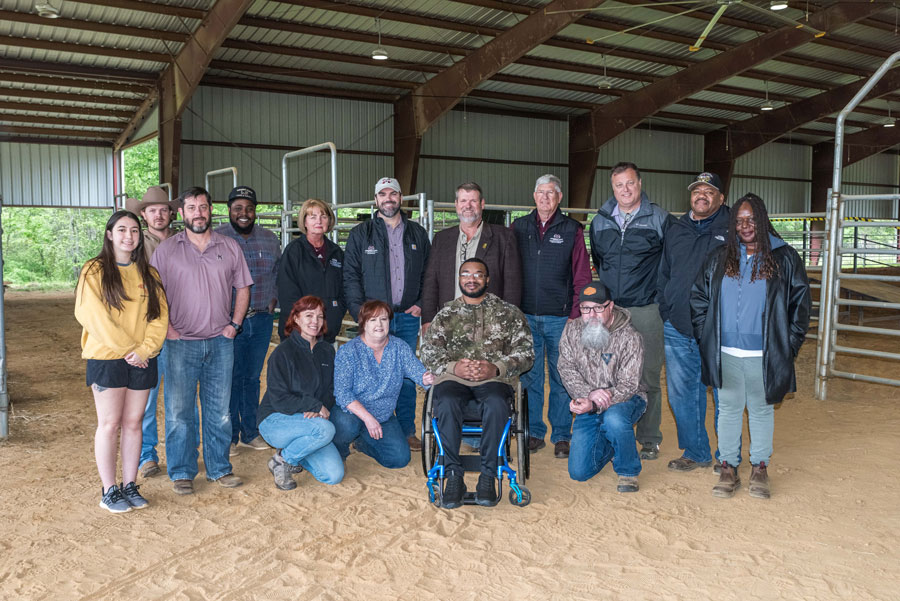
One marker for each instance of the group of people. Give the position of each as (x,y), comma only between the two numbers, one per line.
(716,294)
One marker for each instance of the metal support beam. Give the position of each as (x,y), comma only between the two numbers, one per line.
(618,116)
(722,147)
(179,81)
(419,110)
(582,162)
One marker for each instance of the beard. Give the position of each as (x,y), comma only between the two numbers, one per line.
(197,229)
(241,230)
(477,293)
(389,210)
(469,218)
(595,335)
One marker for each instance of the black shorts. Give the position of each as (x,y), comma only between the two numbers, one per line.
(116,373)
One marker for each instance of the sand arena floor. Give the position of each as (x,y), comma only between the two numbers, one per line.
(830,530)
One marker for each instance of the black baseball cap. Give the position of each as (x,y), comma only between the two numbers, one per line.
(594,292)
(710,179)
(242,192)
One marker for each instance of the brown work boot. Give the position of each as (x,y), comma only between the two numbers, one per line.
(759,481)
(414,443)
(729,481)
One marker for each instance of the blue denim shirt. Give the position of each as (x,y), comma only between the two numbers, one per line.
(359,377)
(742,304)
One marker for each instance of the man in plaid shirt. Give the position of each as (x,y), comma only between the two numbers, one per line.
(261,251)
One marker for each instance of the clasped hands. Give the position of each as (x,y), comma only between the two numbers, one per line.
(597,402)
(475,370)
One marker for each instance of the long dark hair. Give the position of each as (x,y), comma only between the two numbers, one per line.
(764,266)
(111,288)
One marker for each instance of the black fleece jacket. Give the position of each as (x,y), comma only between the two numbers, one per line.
(298,379)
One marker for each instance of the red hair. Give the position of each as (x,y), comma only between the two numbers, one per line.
(370,309)
(307,303)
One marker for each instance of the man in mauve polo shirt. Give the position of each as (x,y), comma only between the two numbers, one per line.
(199,268)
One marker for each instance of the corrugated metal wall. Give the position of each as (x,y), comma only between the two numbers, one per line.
(882,170)
(50,175)
(650,151)
(235,120)
(531,148)
(759,172)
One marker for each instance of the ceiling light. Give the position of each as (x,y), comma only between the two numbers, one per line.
(778,5)
(767,106)
(604,83)
(379,54)
(46,10)
(891,122)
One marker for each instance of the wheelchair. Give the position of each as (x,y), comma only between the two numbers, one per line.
(516,428)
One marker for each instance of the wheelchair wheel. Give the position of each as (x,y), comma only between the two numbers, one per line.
(522,434)
(514,498)
(429,444)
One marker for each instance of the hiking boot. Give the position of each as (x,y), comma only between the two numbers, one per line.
(454,489)
(114,501)
(414,443)
(281,470)
(134,498)
(535,444)
(649,450)
(683,464)
(183,487)
(759,481)
(717,467)
(729,481)
(627,484)
(257,444)
(485,492)
(561,449)
(228,481)
(149,469)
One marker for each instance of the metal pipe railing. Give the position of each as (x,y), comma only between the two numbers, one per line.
(209,174)
(286,203)
(168,187)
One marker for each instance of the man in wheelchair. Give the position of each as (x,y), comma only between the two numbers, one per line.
(600,360)
(477,346)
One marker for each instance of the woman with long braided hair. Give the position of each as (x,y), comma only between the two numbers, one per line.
(750,312)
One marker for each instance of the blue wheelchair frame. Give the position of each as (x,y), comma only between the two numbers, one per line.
(519,494)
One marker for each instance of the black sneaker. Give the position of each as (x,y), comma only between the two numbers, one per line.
(134,498)
(114,500)
(649,450)
(454,489)
(485,492)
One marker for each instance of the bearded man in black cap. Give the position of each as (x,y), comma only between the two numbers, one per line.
(261,251)
(601,357)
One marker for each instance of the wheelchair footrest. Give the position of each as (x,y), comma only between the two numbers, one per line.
(470,463)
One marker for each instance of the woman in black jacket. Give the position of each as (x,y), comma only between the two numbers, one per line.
(293,414)
(750,313)
(313,265)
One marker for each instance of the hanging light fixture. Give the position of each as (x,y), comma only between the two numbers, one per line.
(604,83)
(379,54)
(778,5)
(46,10)
(767,105)
(891,122)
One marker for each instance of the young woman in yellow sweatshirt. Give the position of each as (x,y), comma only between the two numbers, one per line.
(122,308)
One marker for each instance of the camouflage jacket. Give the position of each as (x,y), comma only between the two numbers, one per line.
(618,367)
(494,330)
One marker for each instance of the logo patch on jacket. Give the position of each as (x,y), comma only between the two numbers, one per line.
(607,357)
(413,247)
(720,238)
(556,239)
(335,263)
(371,250)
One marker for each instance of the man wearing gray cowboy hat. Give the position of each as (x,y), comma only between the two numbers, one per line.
(158,211)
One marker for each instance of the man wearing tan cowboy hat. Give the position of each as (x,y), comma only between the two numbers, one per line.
(158,212)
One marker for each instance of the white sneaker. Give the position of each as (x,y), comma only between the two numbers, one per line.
(232,450)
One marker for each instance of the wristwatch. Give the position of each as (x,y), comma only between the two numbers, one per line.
(238,328)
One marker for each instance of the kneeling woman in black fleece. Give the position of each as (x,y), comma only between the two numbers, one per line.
(293,414)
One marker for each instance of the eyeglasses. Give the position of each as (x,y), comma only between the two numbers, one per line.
(474,276)
(595,309)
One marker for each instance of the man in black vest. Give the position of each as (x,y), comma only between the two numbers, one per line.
(688,242)
(555,268)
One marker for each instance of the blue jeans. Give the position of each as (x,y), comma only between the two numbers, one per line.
(406,327)
(250,347)
(546,330)
(189,363)
(599,437)
(687,394)
(742,387)
(307,442)
(391,450)
(149,428)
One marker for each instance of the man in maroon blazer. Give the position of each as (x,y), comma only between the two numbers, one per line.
(493,244)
